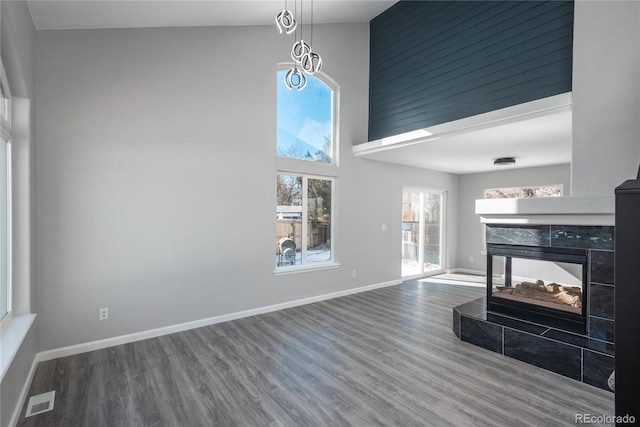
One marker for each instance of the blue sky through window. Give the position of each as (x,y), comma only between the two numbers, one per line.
(304,120)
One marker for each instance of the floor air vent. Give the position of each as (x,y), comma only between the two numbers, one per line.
(40,403)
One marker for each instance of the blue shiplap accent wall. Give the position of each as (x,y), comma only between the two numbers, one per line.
(437,61)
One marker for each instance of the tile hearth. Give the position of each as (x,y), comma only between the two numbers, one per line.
(573,355)
(588,357)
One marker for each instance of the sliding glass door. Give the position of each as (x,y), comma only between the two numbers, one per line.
(422,232)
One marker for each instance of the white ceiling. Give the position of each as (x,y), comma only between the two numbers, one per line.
(86,14)
(535,140)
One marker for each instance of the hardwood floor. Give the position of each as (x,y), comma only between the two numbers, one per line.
(384,357)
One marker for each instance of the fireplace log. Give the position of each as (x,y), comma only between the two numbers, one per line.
(552,293)
(538,286)
(553,288)
(572,300)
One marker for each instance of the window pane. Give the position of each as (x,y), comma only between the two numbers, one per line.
(548,191)
(305,120)
(288,220)
(523,192)
(319,220)
(432,224)
(410,233)
(4,237)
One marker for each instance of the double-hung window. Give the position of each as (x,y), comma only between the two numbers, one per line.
(5,199)
(306,178)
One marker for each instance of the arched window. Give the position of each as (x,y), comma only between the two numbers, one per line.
(306,120)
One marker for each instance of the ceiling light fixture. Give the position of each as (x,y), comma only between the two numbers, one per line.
(295,78)
(504,161)
(311,61)
(286,21)
(305,59)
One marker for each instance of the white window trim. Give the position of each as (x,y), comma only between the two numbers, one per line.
(6,134)
(304,266)
(295,269)
(7,319)
(5,123)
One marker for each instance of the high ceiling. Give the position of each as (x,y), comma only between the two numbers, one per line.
(55,14)
(535,140)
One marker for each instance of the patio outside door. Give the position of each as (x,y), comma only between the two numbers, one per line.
(422,232)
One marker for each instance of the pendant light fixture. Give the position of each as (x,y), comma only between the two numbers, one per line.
(286,21)
(295,78)
(305,59)
(311,62)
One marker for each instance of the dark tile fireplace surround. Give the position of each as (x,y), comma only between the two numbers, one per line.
(587,355)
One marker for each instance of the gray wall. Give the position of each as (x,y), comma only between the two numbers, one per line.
(156,178)
(606,95)
(471,188)
(18,55)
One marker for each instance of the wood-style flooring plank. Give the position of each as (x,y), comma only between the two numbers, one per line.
(379,358)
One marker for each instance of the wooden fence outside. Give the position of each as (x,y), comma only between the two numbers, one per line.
(317,233)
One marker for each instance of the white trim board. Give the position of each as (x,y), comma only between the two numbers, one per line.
(138,336)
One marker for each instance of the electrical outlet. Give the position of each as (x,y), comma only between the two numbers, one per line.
(354,273)
(103,314)
(470,258)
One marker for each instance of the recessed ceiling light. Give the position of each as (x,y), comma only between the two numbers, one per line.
(502,161)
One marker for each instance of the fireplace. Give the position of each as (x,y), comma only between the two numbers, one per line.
(527,239)
(545,285)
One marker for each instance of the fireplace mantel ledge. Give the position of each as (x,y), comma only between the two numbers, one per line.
(572,210)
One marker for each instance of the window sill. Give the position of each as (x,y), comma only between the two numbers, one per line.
(11,338)
(283,271)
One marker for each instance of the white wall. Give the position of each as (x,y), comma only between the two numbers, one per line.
(472,187)
(156,178)
(606,95)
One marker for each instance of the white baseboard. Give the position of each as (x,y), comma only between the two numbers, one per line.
(138,336)
(23,394)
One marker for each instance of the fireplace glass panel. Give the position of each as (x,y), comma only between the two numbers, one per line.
(550,284)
